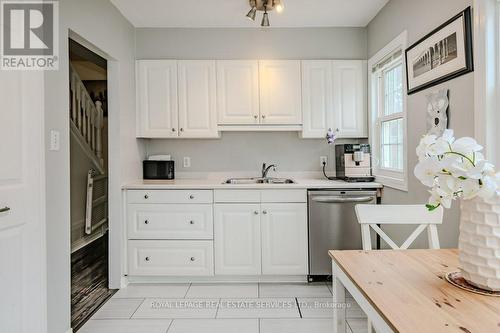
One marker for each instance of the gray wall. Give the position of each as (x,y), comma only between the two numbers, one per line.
(233,152)
(419,18)
(100,24)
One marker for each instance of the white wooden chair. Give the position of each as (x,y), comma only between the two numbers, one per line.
(371,216)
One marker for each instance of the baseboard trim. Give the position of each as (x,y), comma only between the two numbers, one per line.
(218,279)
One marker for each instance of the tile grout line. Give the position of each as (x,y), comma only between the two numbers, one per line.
(298,307)
(143,300)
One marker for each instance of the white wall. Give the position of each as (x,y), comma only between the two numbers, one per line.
(101,24)
(419,18)
(232,152)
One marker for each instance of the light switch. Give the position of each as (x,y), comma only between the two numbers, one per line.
(55,140)
(187,162)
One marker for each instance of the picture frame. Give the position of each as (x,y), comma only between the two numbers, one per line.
(443,54)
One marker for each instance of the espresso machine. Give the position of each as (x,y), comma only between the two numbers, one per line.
(353,162)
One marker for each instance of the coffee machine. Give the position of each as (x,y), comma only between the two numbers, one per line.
(353,162)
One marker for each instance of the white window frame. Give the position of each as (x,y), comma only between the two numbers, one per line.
(487,76)
(391,178)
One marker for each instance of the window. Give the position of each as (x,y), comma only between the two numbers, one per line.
(388,115)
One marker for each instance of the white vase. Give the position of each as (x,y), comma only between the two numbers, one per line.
(479,242)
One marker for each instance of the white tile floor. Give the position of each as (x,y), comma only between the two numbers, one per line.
(220,308)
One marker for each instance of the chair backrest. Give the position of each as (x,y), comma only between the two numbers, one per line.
(371,216)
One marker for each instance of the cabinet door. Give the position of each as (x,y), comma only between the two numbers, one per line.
(350,86)
(238,92)
(280,92)
(317,101)
(157,98)
(197,104)
(237,239)
(284,239)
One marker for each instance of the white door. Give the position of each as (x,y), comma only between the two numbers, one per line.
(284,239)
(157,98)
(22,221)
(237,239)
(317,101)
(197,104)
(280,92)
(350,87)
(238,92)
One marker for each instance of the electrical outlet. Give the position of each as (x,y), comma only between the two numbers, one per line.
(187,162)
(55,140)
(323,160)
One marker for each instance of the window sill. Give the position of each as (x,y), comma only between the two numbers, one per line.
(395,183)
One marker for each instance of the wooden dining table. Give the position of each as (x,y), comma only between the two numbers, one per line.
(406,291)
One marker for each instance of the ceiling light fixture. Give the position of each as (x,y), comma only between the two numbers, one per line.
(264,6)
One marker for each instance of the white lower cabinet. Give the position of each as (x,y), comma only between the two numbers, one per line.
(284,239)
(237,239)
(170,258)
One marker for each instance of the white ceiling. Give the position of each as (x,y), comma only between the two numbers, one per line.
(231,13)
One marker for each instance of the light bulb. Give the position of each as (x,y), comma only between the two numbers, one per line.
(279,6)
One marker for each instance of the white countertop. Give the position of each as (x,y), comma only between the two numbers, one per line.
(217,183)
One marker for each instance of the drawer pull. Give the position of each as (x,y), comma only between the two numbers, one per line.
(193,258)
(191,222)
(264,212)
(191,197)
(256,212)
(146,196)
(146,222)
(147,258)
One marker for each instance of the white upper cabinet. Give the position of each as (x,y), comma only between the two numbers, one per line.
(237,239)
(334,96)
(350,98)
(197,99)
(157,98)
(280,92)
(238,92)
(317,99)
(284,239)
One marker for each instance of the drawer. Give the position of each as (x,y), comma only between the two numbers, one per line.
(294,195)
(224,196)
(170,196)
(170,258)
(170,221)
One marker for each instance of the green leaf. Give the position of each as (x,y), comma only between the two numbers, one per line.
(431,207)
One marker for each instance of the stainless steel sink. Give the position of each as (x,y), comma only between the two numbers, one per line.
(239,181)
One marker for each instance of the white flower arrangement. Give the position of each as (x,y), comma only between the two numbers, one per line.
(454,169)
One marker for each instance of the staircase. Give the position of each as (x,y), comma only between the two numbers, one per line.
(86,120)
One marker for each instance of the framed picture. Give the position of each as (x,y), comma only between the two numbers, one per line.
(442,55)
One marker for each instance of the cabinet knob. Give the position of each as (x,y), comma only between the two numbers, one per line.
(181,129)
(264,212)
(256,212)
(173,129)
(147,258)
(256,116)
(263,116)
(146,222)
(191,197)
(146,196)
(193,258)
(191,222)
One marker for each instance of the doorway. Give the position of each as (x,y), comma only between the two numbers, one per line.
(89,182)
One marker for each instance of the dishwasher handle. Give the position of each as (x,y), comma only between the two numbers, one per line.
(338,199)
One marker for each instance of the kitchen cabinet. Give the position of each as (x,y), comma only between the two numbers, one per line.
(334,94)
(237,239)
(317,98)
(157,115)
(197,99)
(238,92)
(350,98)
(280,92)
(284,239)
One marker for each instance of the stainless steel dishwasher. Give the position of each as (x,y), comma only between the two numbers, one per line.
(333,226)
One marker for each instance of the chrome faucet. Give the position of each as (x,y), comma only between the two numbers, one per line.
(265,169)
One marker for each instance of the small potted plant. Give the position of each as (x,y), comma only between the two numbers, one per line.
(456,169)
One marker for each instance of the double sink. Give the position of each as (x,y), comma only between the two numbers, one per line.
(267,180)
